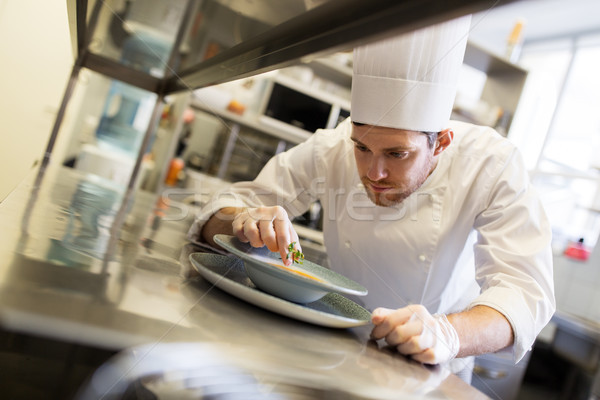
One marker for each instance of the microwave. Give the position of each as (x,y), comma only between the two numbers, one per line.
(298,108)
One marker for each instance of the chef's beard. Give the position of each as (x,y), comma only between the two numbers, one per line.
(397,194)
(390,198)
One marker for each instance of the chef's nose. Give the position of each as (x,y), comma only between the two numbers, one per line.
(377,170)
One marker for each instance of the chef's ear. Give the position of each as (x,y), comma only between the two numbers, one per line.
(444,139)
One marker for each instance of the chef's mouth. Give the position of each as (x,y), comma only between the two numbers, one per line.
(379,188)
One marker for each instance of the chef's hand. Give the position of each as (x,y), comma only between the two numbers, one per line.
(429,339)
(266,226)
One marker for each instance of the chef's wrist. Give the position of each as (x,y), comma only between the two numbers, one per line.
(449,336)
(219,223)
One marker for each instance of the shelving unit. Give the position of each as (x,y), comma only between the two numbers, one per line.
(333,70)
(503,86)
(332,26)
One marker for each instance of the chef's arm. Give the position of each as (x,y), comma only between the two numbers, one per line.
(435,339)
(481,330)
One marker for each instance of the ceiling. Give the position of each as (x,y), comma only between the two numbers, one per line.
(543,19)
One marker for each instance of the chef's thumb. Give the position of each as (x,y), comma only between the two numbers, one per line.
(379,314)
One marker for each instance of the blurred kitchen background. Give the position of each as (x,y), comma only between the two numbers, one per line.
(531,71)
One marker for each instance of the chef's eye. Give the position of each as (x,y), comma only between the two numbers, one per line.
(361,147)
(398,154)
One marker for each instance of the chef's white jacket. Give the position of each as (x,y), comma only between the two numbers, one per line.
(473,234)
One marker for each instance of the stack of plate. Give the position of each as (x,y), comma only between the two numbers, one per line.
(306,291)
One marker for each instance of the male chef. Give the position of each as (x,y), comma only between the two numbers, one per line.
(437,218)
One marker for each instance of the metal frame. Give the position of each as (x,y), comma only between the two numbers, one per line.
(114,69)
(335,25)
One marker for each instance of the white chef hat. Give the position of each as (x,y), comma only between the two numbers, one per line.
(409,81)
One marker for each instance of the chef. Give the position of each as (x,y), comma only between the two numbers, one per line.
(437,218)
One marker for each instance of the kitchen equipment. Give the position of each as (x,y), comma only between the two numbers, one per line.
(291,104)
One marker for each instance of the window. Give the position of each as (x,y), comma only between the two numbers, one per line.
(567,172)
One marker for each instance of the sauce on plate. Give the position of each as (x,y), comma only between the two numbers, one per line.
(305,274)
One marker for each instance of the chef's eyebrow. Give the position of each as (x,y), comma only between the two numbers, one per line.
(397,148)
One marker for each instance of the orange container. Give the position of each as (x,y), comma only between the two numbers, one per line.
(175,168)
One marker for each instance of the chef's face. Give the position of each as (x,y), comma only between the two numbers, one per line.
(392,163)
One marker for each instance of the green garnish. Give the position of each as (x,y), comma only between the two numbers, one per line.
(296,255)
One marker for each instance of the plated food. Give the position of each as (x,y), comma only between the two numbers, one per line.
(228,273)
(300,283)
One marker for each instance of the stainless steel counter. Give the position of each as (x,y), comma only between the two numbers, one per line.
(84,263)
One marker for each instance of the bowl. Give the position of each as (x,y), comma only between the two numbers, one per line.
(299,283)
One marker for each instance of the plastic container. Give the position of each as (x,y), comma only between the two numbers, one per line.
(577,251)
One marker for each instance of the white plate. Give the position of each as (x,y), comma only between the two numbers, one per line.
(301,283)
(228,274)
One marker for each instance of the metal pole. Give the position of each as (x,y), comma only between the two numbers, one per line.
(84,33)
(61,114)
(233,135)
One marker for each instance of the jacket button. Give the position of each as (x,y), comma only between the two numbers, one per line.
(422,258)
(347,244)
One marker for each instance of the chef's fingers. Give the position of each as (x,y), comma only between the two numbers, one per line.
(425,338)
(238,226)
(252,233)
(245,227)
(294,238)
(296,241)
(390,320)
(282,232)
(412,346)
(379,314)
(267,233)
(426,357)
(403,333)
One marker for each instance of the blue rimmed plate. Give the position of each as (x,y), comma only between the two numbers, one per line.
(300,283)
(228,274)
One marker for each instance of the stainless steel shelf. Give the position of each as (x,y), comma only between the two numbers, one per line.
(332,26)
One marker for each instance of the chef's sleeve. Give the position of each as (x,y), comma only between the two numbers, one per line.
(513,255)
(288,180)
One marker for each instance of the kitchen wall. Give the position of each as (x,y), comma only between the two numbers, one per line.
(36,56)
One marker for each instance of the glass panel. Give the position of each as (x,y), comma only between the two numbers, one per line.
(568,173)
(221,24)
(575,134)
(547,66)
(572,207)
(106,124)
(139,34)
